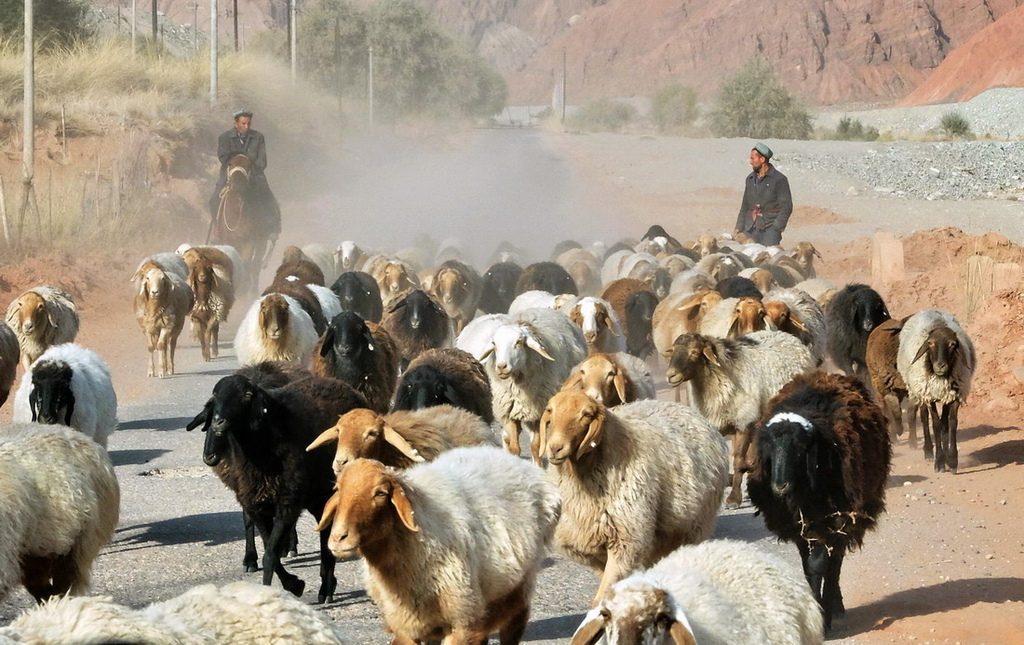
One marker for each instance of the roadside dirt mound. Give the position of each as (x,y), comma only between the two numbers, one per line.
(813,215)
(998,334)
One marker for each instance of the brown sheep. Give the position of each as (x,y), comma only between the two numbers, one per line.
(161,306)
(9,353)
(612,379)
(296,289)
(804,254)
(456,286)
(617,293)
(680,315)
(295,263)
(214,295)
(395,279)
(880,358)
(41,318)
(706,245)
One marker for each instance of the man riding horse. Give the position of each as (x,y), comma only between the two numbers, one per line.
(262,205)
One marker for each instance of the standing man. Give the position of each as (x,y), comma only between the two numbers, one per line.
(243,140)
(767,202)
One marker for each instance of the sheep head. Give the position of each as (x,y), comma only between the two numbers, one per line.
(691,354)
(236,407)
(791,452)
(395,278)
(450,286)
(804,253)
(152,280)
(942,349)
(51,399)
(363,434)
(29,314)
(635,611)
(706,245)
(591,315)
(509,346)
(747,317)
(696,306)
(347,255)
(763,280)
(782,317)
(602,378)
(366,509)
(346,336)
(202,278)
(571,426)
(273,317)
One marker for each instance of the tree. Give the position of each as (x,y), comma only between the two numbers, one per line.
(673,108)
(752,103)
(57,22)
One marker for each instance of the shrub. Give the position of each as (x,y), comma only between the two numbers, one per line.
(673,108)
(853,130)
(752,103)
(602,115)
(57,22)
(955,124)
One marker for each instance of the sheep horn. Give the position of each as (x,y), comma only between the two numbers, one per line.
(920,352)
(620,385)
(535,345)
(330,508)
(590,631)
(327,436)
(680,634)
(487,352)
(401,443)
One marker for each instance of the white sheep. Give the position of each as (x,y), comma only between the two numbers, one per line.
(795,312)
(329,302)
(349,257)
(721,592)
(236,266)
(451,547)
(692,280)
(239,613)
(612,266)
(637,481)
(69,385)
(600,325)
(169,262)
(818,288)
(936,359)
(275,328)
(59,507)
(527,360)
(41,318)
(323,257)
(536,299)
(162,304)
(613,379)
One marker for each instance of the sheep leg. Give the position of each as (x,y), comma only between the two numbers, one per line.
(161,348)
(511,436)
(929,453)
(832,598)
(151,347)
(740,446)
(204,340)
(613,572)
(250,561)
(398,639)
(536,449)
(912,412)
(517,606)
(892,410)
(952,455)
(273,546)
(816,567)
(328,583)
(214,339)
(172,347)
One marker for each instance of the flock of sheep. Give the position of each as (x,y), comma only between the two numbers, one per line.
(369,394)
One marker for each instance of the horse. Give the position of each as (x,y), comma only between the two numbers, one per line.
(235,223)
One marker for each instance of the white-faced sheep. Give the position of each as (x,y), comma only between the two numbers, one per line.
(446,376)
(600,325)
(349,257)
(720,591)
(457,287)
(69,385)
(214,296)
(823,456)
(162,304)
(60,506)
(430,569)
(612,379)
(541,300)
(401,439)
(637,481)
(239,613)
(276,328)
(527,359)
(937,360)
(9,354)
(361,354)
(850,316)
(41,318)
(732,380)
(796,312)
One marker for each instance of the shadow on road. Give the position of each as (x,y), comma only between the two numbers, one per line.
(125,457)
(169,423)
(556,627)
(210,529)
(1001,454)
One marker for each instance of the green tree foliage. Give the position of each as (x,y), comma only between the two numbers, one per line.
(955,124)
(752,103)
(602,115)
(57,22)
(673,108)
(419,67)
(853,130)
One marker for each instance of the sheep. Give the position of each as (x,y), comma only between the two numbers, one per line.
(706,245)
(890,389)
(546,276)
(256,442)
(416,323)
(600,325)
(936,359)
(214,295)
(850,317)
(691,280)
(429,568)
(9,355)
(804,254)
(349,257)
(295,263)
(732,380)
(507,252)
(819,289)
(680,314)
(227,259)
(163,302)
(763,279)
(41,318)
(447,376)
(238,613)
(499,287)
(298,290)
(169,262)
(361,354)
(563,247)
(792,268)
(638,323)
(719,591)
(618,292)
(60,506)
(612,379)
(395,279)
(527,358)
(738,287)
(823,457)
(584,268)
(457,288)
(358,292)
(664,240)
(401,439)
(612,266)
(323,257)
(637,481)
(541,299)
(69,385)
(676,264)
(330,304)
(275,328)
(735,316)
(719,265)
(796,312)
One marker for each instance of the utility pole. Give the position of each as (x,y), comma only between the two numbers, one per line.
(29,122)
(195,27)
(234,14)
(369,82)
(213,51)
(291,33)
(564,83)
(337,64)
(134,18)
(154,23)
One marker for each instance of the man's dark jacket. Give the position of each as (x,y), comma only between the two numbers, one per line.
(772,193)
(252,146)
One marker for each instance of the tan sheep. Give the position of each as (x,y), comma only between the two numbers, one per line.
(161,306)
(41,318)
(612,379)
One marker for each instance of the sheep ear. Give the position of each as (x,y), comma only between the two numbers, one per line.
(201,419)
(330,508)
(33,404)
(574,382)
(593,434)
(798,324)
(610,326)
(535,345)
(815,252)
(259,410)
(404,508)
(368,337)
(483,357)
(734,324)
(709,353)
(921,352)
(690,311)
(812,467)
(401,443)
(138,274)
(591,631)
(70,410)
(542,430)
(327,342)
(327,436)
(681,634)
(620,385)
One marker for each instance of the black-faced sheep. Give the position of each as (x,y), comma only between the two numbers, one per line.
(719,591)
(738,287)
(359,293)
(430,569)
(823,456)
(457,288)
(163,302)
(850,317)
(732,380)
(256,444)
(60,507)
(612,379)
(546,276)
(639,323)
(41,318)
(276,328)
(69,385)
(637,481)
(416,323)
(361,354)
(499,287)
(936,360)
(9,355)
(447,376)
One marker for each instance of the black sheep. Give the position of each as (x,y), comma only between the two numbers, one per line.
(499,287)
(256,442)
(823,456)
(445,376)
(738,287)
(358,292)
(850,317)
(361,354)
(639,313)
(672,245)
(546,276)
(416,323)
